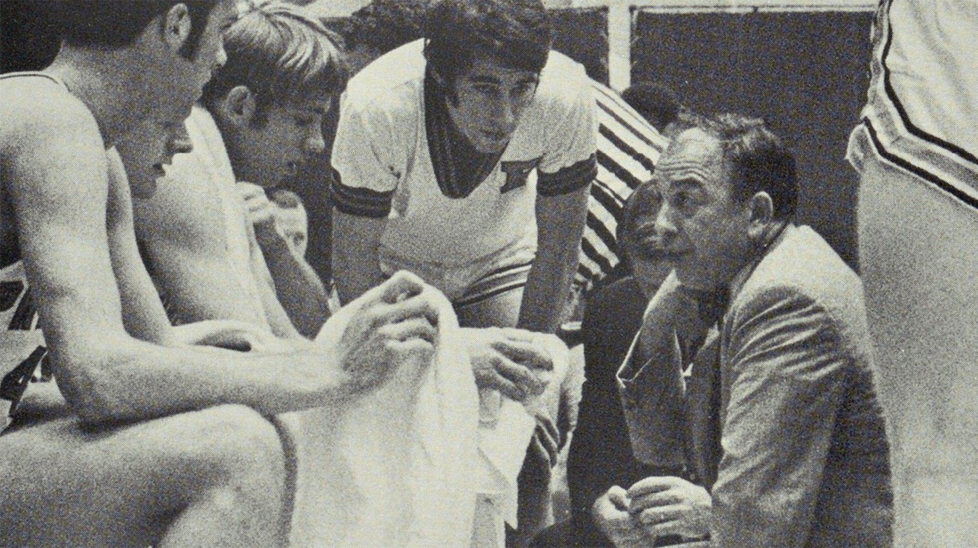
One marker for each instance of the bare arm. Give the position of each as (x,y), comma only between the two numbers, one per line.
(292,290)
(278,317)
(560,225)
(57,174)
(564,182)
(288,322)
(143,314)
(356,261)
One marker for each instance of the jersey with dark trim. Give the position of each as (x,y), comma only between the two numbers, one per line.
(923,97)
(384,167)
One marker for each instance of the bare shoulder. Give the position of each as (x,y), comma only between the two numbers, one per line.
(35,108)
(50,140)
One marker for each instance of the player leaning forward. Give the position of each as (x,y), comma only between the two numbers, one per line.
(435,155)
(160,442)
(467,158)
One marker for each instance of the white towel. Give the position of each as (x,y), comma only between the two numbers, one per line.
(398,467)
(505,431)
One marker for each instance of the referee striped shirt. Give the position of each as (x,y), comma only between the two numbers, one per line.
(628,149)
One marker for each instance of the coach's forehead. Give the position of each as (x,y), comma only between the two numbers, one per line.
(693,156)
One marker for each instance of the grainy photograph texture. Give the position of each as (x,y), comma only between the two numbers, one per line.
(489,273)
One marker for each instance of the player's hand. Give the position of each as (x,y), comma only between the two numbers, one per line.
(396,322)
(671,506)
(546,438)
(260,211)
(610,514)
(508,360)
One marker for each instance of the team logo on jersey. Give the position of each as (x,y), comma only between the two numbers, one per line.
(517,173)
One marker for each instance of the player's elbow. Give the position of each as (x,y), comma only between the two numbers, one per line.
(90,384)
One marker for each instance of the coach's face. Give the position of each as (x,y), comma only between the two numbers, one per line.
(489,101)
(703,230)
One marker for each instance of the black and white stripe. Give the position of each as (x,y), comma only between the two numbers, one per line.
(362,202)
(628,149)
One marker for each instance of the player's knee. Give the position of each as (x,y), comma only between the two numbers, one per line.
(242,445)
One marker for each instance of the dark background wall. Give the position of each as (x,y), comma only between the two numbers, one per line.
(582,35)
(27,41)
(804,72)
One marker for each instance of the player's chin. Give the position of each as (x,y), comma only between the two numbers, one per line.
(491,142)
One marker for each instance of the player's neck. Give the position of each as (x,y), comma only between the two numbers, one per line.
(110,86)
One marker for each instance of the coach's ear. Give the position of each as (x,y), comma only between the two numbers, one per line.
(239,107)
(760,208)
(176,26)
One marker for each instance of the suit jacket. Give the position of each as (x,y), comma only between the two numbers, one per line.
(600,451)
(803,459)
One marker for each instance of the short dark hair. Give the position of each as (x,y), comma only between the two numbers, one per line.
(656,102)
(281,54)
(518,33)
(758,159)
(383,25)
(117,24)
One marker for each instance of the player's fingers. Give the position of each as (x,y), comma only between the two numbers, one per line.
(412,346)
(655,499)
(618,496)
(548,425)
(525,353)
(505,386)
(658,514)
(664,528)
(413,328)
(418,306)
(249,190)
(518,334)
(543,448)
(262,215)
(548,443)
(400,286)
(519,375)
(649,485)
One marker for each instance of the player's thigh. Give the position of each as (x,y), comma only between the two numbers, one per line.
(920,270)
(68,485)
(494,298)
(499,310)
